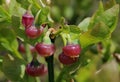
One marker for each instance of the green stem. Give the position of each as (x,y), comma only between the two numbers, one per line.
(69,39)
(29,8)
(50,64)
(64,39)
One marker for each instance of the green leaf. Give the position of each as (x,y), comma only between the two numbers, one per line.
(88,71)
(107,53)
(43,16)
(109,17)
(16,26)
(21,34)
(5,44)
(3,12)
(15,8)
(24,3)
(8,34)
(74,29)
(34,10)
(36,6)
(28,78)
(4,15)
(84,24)
(59,43)
(13,68)
(100,30)
(36,3)
(98,33)
(103,24)
(4,18)
(4,24)
(71,29)
(87,39)
(96,14)
(9,42)
(15,22)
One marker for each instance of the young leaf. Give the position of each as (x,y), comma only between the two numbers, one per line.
(102,24)
(109,17)
(87,39)
(84,24)
(97,13)
(98,33)
(100,30)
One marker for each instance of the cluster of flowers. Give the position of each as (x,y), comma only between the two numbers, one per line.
(69,55)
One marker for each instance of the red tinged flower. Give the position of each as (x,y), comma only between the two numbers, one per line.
(72,50)
(32,49)
(67,60)
(45,50)
(33,32)
(21,48)
(27,19)
(35,71)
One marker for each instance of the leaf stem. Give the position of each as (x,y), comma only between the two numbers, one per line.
(49,61)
